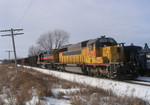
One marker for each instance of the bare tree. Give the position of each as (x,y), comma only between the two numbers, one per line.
(45,41)
(53,40)
(33,51)
(60,38)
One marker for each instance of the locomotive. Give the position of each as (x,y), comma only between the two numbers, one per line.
(102,57)
(140,57)
(144,60)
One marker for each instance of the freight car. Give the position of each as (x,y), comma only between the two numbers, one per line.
(30,61)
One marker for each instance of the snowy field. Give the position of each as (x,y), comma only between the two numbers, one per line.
(118,88)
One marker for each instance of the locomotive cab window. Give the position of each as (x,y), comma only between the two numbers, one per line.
(107,42)
(118,50)
(103,40)
(91,47)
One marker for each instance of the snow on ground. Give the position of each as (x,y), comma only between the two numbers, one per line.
(48,101)
(6,100)
(52,100)
(10,67)
(58,90)
(119,88)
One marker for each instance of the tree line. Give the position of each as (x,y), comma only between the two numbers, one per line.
(49,41)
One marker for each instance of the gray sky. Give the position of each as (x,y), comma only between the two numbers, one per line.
(124,20)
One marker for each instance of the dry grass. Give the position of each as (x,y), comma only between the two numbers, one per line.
(95,96)
(1,102)
(28,83)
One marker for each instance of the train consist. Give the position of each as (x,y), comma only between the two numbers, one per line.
(101,57)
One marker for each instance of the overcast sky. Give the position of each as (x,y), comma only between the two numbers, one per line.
(125,20)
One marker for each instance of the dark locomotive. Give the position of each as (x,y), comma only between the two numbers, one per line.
(144,60)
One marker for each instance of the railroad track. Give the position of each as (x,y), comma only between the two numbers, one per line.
(139,82)
(146,81)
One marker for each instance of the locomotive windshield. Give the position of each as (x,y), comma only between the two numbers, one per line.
(103,40)
(107,42)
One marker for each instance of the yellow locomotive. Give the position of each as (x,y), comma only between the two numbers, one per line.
(101,56)
(95,52)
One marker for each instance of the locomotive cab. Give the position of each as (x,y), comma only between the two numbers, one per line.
(105,50)
(107,55)
(110,50)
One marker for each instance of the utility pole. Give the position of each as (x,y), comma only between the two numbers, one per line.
(13,41)
(9,54)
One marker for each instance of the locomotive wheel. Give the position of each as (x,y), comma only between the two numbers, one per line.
(136,74)
(98,73)
(89,71)
(142,72)
(58,68)
(51,66)
(55,67)
(46,66)
(62,68)
(84,70)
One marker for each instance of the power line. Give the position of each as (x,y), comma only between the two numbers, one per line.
(25,12)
